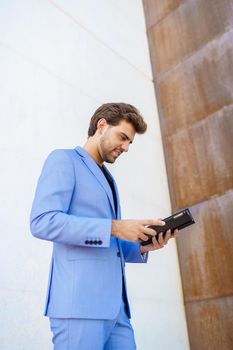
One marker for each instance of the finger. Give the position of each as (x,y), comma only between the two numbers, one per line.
(143,237)
(161,239)
(175,233)
(167,236)
(149,231)
(153,222)
(156,244)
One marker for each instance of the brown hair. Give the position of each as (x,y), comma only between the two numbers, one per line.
(113,113)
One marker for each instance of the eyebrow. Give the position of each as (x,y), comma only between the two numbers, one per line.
(126,136)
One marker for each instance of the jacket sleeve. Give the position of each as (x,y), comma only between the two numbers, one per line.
(50,219)
(132,252)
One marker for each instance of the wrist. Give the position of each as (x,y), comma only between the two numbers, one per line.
(115,228)
(143,249)
(144,255)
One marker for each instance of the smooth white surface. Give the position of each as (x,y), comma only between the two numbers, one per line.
(60,60)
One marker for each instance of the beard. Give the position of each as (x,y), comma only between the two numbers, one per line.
(108,153)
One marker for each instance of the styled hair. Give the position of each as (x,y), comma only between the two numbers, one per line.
(114,113)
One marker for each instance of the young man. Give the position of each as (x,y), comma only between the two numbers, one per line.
(77,207)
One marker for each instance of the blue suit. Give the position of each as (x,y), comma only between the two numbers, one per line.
(74,208)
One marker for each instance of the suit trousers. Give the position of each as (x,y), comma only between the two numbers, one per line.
(88,334)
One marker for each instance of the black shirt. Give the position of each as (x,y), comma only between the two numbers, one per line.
(110,181)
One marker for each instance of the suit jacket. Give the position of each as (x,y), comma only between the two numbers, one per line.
(74,208)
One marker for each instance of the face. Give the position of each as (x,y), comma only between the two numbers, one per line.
(114,140)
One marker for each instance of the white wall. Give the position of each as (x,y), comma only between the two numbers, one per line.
(60,60)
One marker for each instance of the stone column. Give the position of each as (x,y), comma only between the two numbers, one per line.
(191,48)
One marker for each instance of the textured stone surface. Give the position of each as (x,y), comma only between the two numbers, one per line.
(191,49)
(157,10)
(186,30)
(210,324)
(205,250)
(198,87)
(199,159)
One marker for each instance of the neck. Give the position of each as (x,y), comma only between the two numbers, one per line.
(91,148)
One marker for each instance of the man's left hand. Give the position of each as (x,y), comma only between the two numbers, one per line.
(160,243)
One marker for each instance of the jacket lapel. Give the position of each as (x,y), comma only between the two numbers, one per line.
(96,171)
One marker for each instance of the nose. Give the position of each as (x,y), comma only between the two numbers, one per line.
(125,147)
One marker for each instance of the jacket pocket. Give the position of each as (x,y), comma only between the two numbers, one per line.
(83,253)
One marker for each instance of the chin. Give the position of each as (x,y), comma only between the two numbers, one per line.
(110,160)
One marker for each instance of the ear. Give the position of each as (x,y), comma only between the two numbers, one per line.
(101,125)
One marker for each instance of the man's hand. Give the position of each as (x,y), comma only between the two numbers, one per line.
(160,243)
(134,230)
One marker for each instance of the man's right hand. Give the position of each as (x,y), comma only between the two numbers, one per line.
(134,230)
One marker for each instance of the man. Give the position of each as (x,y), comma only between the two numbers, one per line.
(77,207)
